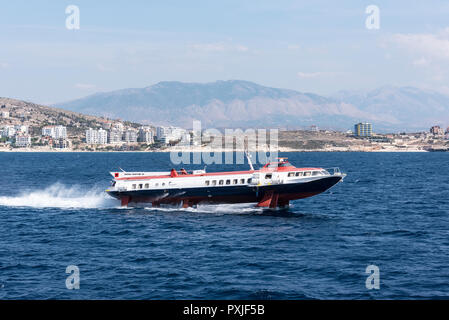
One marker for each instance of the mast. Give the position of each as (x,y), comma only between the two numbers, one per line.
(248,156)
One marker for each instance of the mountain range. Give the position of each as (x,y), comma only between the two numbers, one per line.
(244,104)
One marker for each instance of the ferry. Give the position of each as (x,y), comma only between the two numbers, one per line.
(272,186)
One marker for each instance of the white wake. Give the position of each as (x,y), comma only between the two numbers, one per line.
(212,208)
(61,196)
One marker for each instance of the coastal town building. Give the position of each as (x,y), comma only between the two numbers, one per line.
(107,125)
(130,135)
(363,129)
(56,132)
(118,126)
(5,114)
(196,137)
(23,141)
(115,136)
(160,133)
(185,139)
(47,131)
(146,135)
(116,133)
(91,136)
(60,132)
(102,136)
(437,131)
(8,131)
(169,134)
(60,143)
(21,129)
(96,136)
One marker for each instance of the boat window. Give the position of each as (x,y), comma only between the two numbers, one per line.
(207,182)
(140,186)
(157,184)
(147,186)
(242,181)
(291,174)
(307,173)
(268,176)
(284,164)
(249,180)
(324,173)
(299,174)
(316,173)
(235,181)
(228,181)
(134,186)
(163,183)
(214,182)
(220,182)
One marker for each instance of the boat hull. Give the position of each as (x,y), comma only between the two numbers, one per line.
(265,196)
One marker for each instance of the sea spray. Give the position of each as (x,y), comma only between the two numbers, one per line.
(60,196)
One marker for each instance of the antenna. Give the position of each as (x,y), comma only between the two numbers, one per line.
(122,169)
(248,156)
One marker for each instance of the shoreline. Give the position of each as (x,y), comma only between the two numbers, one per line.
(27,150)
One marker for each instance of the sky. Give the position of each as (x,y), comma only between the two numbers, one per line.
(310,46)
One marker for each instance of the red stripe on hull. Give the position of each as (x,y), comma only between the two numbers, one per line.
(227,173)
(187,175)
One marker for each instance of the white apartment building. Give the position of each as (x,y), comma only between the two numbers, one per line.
(118,126)
(56,132)
(23,141)
(115,136)
(130,135)
(146,135)
(48,131)
(60,132)
(167,134)
(102,136)
(8,131)
(185,139)
(91,136)
(161,133)
(5,114)
(96,136)
(21,129)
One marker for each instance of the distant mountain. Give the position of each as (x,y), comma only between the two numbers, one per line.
(407,107)
(238,103)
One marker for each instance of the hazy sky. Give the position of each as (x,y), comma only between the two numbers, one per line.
(312,46)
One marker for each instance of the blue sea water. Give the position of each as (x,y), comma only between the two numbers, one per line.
(392,211)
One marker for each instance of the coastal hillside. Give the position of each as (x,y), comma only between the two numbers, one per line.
(238,103)
(37,116)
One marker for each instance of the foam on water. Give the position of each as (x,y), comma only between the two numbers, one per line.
(212,208)
(61,196)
